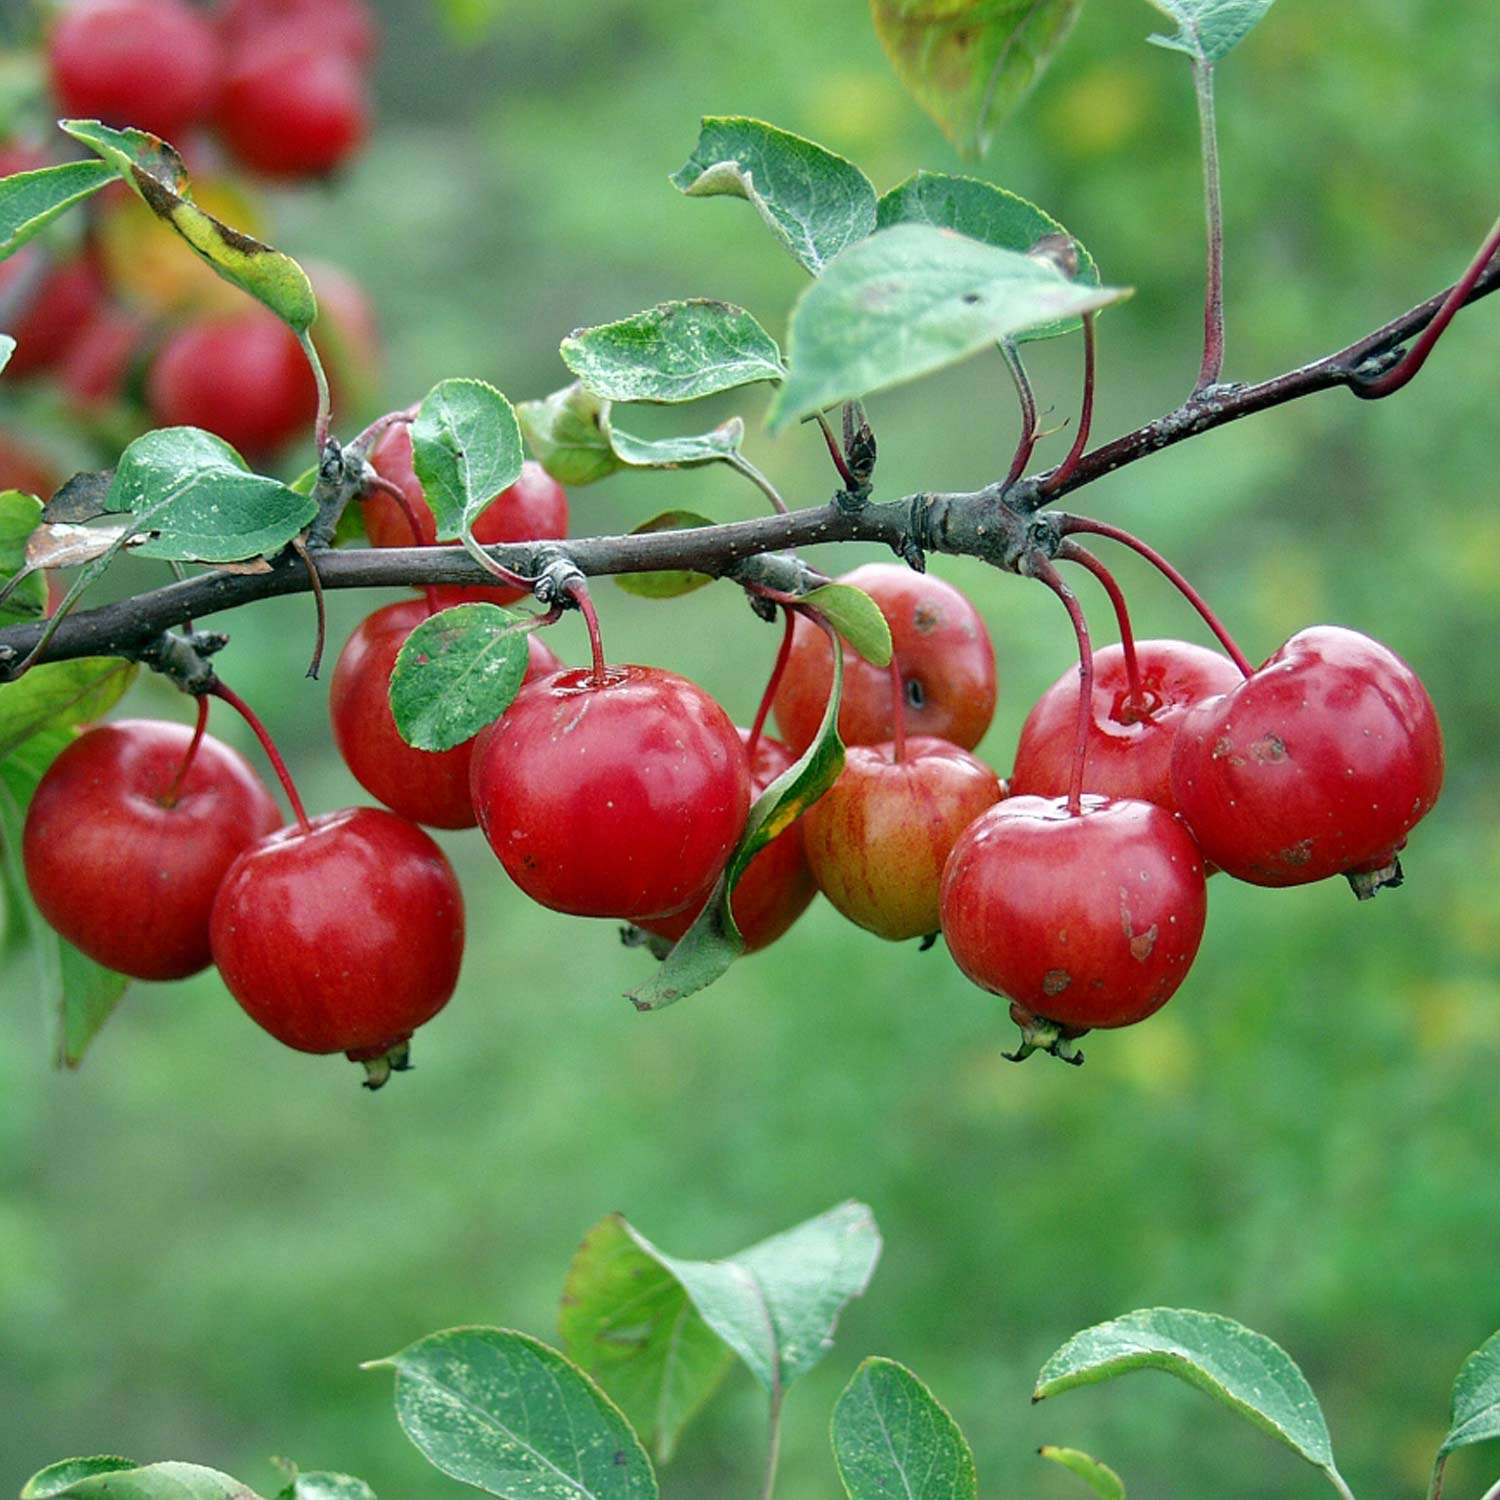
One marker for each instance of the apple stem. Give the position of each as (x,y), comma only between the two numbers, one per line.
(1028,436)
(1157,561)
(898,710)
(1064,471)
(174,791)
(789,626)
(259,730)
(1040,568)
(390,487)
(320,610)
(835,452)
(578,591)
(378,428)
(476,550)
(1072,552)
(1415,357)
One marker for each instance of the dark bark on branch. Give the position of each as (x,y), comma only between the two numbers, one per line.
(998,523)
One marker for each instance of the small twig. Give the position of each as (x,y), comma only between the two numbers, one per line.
(1213,302)
(1027,440)
(1059,476)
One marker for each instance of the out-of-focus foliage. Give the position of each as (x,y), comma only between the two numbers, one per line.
(202,1234)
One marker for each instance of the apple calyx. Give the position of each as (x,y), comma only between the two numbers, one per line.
(380,1062)
(1038,1034)
(1378,875)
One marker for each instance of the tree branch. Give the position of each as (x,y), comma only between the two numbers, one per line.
(999,524)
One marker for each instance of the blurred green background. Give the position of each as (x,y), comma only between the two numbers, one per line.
(202,1234)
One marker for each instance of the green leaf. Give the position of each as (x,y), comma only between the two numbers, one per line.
(503,1412)
(721,445)
(676,351)
(628,1321)
(158,176)
(204,505)
(169,1481)
(706,950)
(1474,1416)
(1099,1477)
(892,1438)
(669,583)
(985,213)
(30,201)
(909,300)
(19,517)
(1207,29)
(84,994)
(568,432)
(466,448)
(319,1484)
(856,617)
(1243,1369)
(814,202)
(458,671)
(776,1305)
(55,1478)
(968,63)
(59,695)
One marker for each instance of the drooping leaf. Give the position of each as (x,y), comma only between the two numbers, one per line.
(157,174)
(720,445)
(891,1438)
(968,63)
(64,545)
(30,201)
(676,351)
(466,448)
(456,672)
(909,300)
(168,1481)
(856,617)
(814,202)
(706,950)
(1100,1478)
(319,1484)
(82,994)
(776,1305)
(986,213)
(1474,1416)
(503,1412)
(1241,1368)
(202,501)
(629,1323)
(81,497)
(568,432)
(55,1478)
(669,583)
(1208,29)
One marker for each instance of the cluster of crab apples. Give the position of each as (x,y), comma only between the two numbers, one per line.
(1075,888)
(124,322)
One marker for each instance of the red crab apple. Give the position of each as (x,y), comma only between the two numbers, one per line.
(124,866)
(534,507)
(1320,763)
(1080,919)
(777,885)
(941,646)
(66,300)
(343,936)
(430,787)
(619,796)
(346,26)
(1130,741)
(292,106)
(154,64)
(878,839)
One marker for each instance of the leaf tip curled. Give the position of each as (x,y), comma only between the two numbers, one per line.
(386,1363)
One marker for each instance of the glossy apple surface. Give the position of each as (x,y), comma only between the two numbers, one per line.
(878,839)
(777,886)
(1088,919)
(620,798)
(1130,743)
(941,644)
(430,787)
(1320,763)
(125,876)
(344,938)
